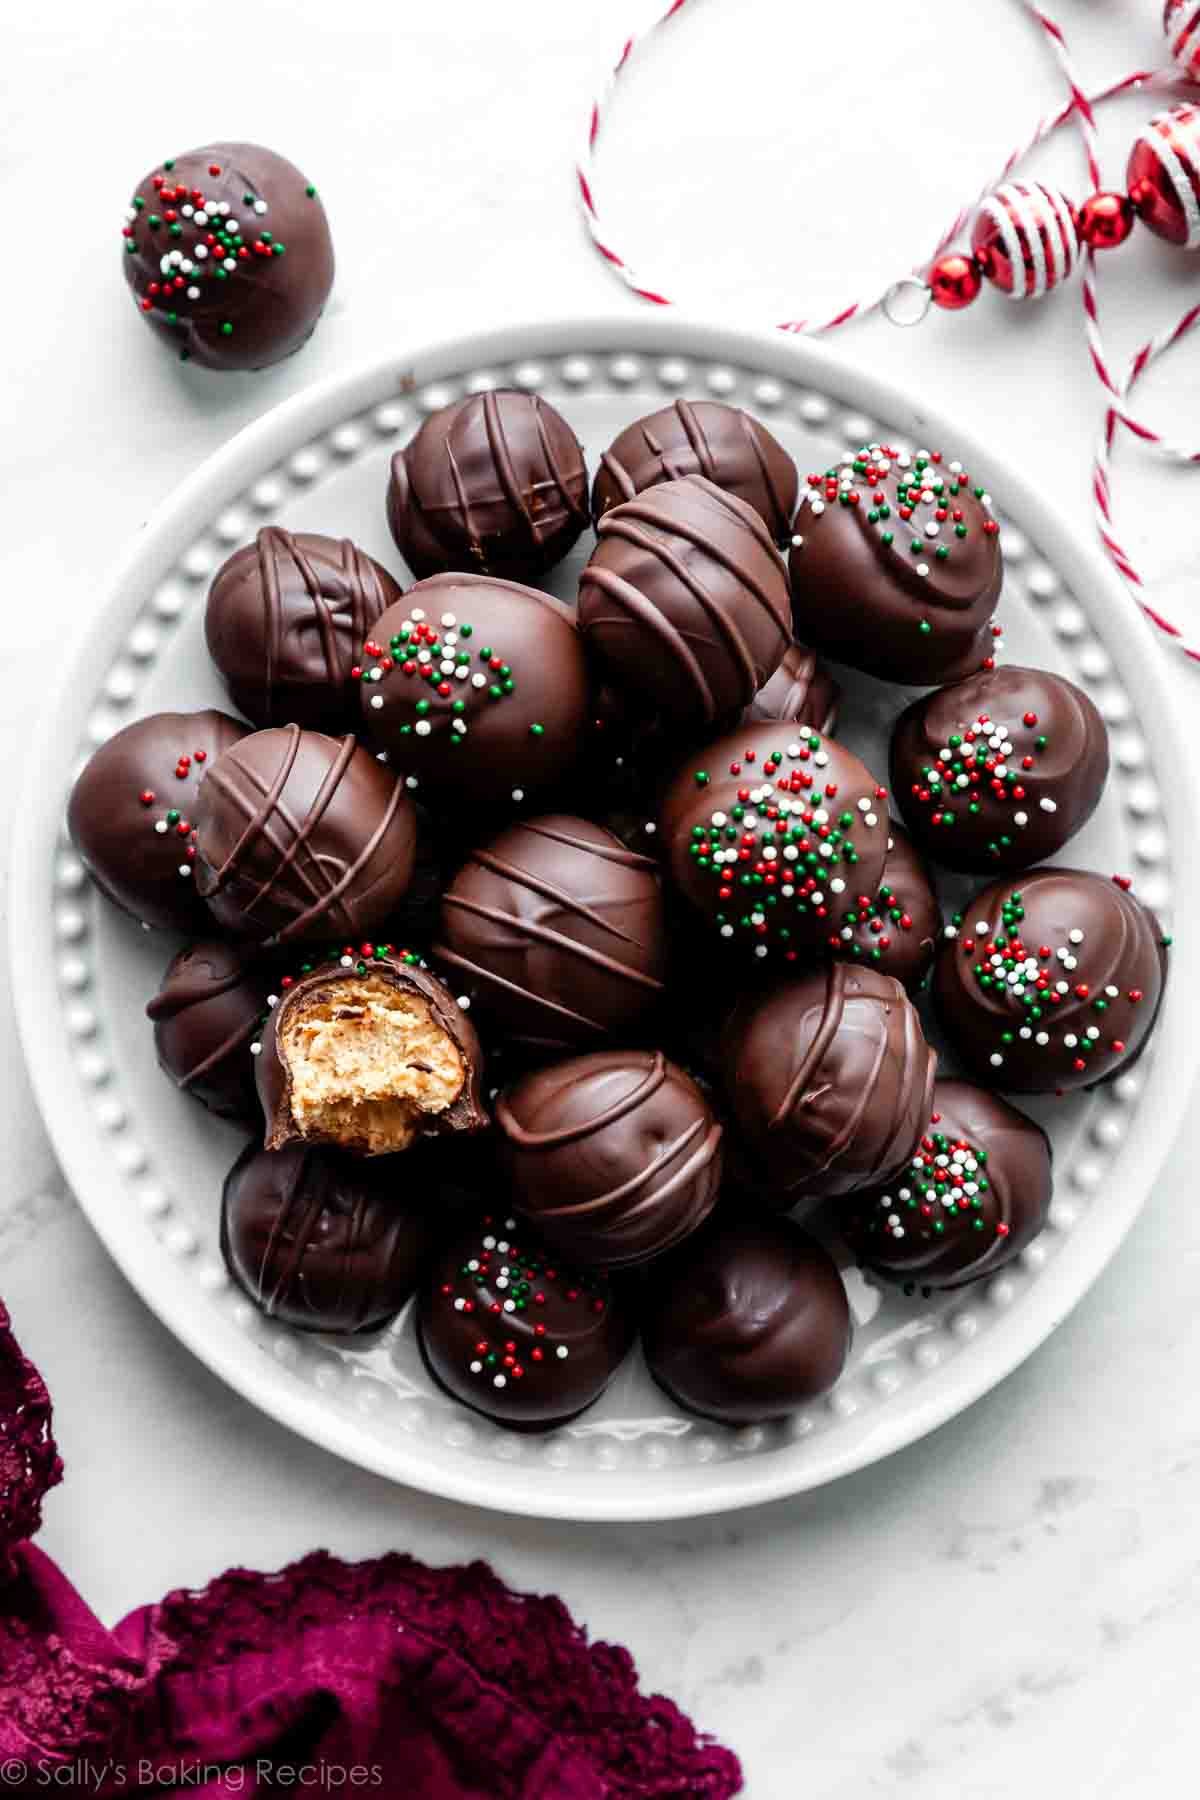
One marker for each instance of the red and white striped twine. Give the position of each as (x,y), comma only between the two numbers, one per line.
(1080,107)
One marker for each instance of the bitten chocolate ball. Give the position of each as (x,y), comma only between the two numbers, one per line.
(998,771)
(478,688)
(701,437)
(558,931)
(898,928)
(895,566)
(228,255)
(615,1157)
(494,484)
(976,1192)
(766,831)
(746,1322)
(800,692)
(508,1330)
(321,1241)
(830,1080)
(684,602)
(132,815)
(368,1054)
(1050,981)
(302,836)
(285,623)
(207,1012)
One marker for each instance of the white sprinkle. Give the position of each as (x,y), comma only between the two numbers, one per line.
(871,819)
(995,1059)
(727,931)
(951,931)
(418,612)
(1070,1040)
(820,759)
(260,207)
(185,869)
(202,218)
(922,568)
(187,212)
(817,508)
(460,1306)
(377,701)
(847,934)
(793,750)
(446,668)
(464,1002)
(193,293)
(1062,987)
(1112,992)
(160,826)
(720,818)
(450,639)
(1093,1031)
(864,806)
(797,541)
(1021,818)
(981,928)
(837,885)
(459,726)
(422,728)
(478,681)
(256,1049)
(489,1242)
(518,794)
(510,1306)
(497,1380)
(201,251)
(1048,806)
(1075,936)
(933,529)
(449,619)
(562,1353)
(476,1368)
(1043,1038)
(346,962)
(230,262)
(760,950)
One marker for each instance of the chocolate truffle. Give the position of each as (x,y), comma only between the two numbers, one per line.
(1051,981)
(614,1156)
(800,692)
(746,1322)
(367,1054)
(228,255)
(302,836)
(895,566)
(131,814)
(830,1080)
(207,1012)
(684,602)
(897,929)
(998,771)
(701,437)
(558,931)
(510,1332)
(494,483)
(286,620)
(975,1193)
(768,829)
(477,687)
(321,1241)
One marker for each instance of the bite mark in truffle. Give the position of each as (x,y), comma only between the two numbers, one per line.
(368,1060)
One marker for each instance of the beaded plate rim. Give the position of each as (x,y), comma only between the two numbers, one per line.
(1129,1131)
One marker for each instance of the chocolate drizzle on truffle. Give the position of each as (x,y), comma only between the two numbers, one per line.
(320,1241)
(684,601)
(615,1156)
(285,623)
(701,437)
(830,1080)
(494,483)
(208,1009)
(558,930)
(300,836)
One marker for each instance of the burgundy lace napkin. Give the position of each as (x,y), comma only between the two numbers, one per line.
(382,1677)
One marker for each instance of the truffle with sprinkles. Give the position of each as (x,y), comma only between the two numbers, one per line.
(132,814)
(477,689)
(897,928)
(1050,984)
(767,833)
(975,1193)
(228,255)
(511,1332)
(896,567)
(1000,770)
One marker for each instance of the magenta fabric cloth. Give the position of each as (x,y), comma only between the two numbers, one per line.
(383,1677)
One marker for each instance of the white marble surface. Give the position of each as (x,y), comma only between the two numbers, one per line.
(1013,1605)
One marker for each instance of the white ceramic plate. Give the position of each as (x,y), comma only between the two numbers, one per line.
(147,1163)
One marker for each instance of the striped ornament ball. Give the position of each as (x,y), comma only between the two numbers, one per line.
(1026,239)
(1163,175)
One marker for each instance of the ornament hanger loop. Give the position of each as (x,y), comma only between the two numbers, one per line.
(907,301)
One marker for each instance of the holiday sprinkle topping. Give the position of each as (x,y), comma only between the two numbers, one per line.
(944,1187)
(980,764)
(444,665)
(497,1285)
(777,853)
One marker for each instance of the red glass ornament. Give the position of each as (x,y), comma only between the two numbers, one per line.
(1106,220)
(1163,176)
(1025,239)
(954,281)
(1181,28)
